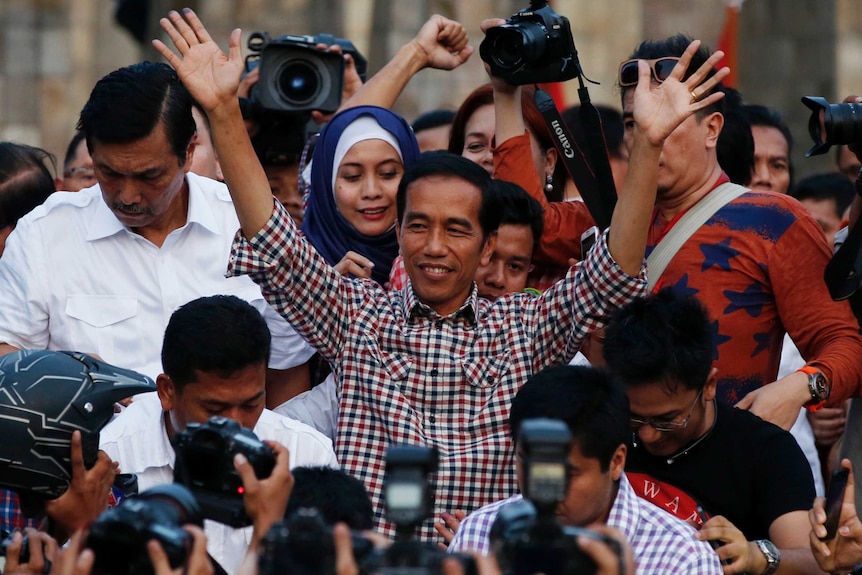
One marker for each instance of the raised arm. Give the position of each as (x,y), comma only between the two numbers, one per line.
(212,78)
(441,43)
(657,111)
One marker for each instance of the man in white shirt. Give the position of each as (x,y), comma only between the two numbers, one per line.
(214,358)
(100,271)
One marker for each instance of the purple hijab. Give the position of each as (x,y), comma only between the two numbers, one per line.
(324,226)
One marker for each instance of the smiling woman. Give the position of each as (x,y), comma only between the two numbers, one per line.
(357,165)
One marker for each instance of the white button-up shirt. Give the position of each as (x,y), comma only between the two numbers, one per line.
(73,277)
(138,441)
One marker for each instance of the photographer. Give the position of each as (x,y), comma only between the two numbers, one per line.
(214,356)
(595,409)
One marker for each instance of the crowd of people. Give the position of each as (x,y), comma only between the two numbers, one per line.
(429,285)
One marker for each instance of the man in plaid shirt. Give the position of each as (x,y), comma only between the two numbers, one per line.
(432,364)
(596,411)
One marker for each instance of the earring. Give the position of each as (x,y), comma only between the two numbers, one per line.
(549,183)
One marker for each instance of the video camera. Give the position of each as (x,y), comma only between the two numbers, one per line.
(526,537)
(533,46)
(303,544)
(204,464)
(295,79)
(119,536)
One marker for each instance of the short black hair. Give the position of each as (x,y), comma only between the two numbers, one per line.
(433,119)
(675,46)
(759,115)
(443,163)
(219,334)
(663,338)
(126,105)
(591,403)
(337,496)
(72,148)
(735,148)
(519,208)
(612,127)
(25,180)
(827,186)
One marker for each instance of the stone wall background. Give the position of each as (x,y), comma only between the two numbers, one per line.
(53,51)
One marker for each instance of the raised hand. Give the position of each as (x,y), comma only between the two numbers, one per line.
(210,76)
(659,108)
(444,43)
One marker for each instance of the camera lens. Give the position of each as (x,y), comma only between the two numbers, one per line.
(299,82)
(516,45)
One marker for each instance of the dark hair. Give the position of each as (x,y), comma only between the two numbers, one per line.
(593,405)
(665,337)
(219,334)
(735,148)
(338,497)
(126,105)
(433,119)
(675,46)
(442,163)
(828,186)
(25,180)
(72,149)
(519,208)
(612,127)
(769,117)
(535,122)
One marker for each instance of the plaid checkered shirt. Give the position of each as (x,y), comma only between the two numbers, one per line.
(407,375)
(661,543)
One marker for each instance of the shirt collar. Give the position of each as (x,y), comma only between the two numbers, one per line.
(625,512)
(412,308)
(105,224)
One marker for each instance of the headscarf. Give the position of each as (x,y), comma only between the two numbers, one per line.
(324,226)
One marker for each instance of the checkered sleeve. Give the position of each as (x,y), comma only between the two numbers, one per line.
(296,280)
(580,303)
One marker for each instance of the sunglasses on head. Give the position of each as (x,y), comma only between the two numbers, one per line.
(660,68)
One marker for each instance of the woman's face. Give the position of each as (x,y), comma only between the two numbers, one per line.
(478,135)
(366,184)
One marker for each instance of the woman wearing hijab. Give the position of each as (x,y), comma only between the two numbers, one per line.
(358,162)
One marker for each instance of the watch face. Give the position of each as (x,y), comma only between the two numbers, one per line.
(819,386)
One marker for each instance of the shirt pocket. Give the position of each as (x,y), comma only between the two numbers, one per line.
(483,371)
(106,325)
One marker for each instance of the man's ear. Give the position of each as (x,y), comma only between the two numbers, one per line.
(709,390)
(167,391)
(714,124)
(190,154)
(488,248)
(618,462)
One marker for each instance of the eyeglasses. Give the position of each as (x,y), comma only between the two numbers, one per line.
(660,67)
(637,422)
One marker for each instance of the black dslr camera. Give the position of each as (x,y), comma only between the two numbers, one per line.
(525,536)
(204,464)
(119,536)
(303,545)
(533,46)
(297,77)
(832,124)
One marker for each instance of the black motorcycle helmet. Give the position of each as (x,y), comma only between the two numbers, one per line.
(44,397)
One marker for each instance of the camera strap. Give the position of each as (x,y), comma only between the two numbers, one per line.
(590,170)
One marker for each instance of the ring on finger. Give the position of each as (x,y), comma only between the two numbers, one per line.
(694,97)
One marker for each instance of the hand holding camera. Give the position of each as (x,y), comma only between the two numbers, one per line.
(29,552)
(265,500)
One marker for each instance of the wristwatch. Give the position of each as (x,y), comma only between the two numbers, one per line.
(818,386)
(772,554)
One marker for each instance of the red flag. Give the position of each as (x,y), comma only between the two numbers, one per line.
(728,42)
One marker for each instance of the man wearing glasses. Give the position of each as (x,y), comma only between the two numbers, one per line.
(698,457)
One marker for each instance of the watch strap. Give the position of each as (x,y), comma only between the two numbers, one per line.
(772,554)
